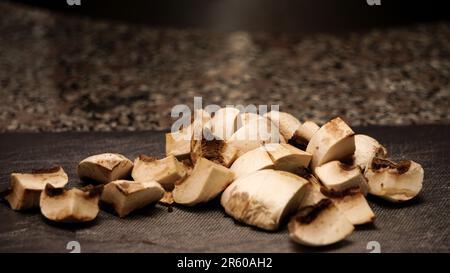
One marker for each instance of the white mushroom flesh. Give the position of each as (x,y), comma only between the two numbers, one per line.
(105,168)
(333,141)
(126,196)
(26,188)
(207,180)
(395,182)
(263,198)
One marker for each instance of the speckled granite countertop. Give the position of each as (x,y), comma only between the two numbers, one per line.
(61,73)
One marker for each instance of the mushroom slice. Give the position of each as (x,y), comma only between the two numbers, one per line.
(200,121)
(253,135)
(352,203)
(224,122)
(248,118)
(286,157)
(70,206)
(165,171)
(105,168)
(313,194)
(303,134)
(367,148)
(286,123)
(207,180)
(395,182)
(126,196)
(251,161)
(178,143)
(26,188)
(333,141)
(264,198)
(319,225)
(337,176)
(215,150)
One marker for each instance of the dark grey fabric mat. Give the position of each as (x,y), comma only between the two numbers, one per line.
(421,225)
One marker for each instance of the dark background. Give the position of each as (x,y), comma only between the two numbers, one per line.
(122,65)
(287,16)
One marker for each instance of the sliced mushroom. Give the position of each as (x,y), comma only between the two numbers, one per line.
(178,144)
(126,196)
(319,225)
(337,176)
(216,150)
(26,188)
(201,121)
(286,123)
(248,118)
(70,206)
(263,198)
(303,134)
(313,194)
(207,180)
(395,182)
(286,157)
(352,203)
(105,168)
(366,148)
(333,141)
(165,171)
(253,135)
(251,161)
(224,122)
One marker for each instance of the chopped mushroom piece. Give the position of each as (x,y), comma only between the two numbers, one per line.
(26,188)
(286,123)
(303,134)
(165,171)
(253,135)
(224,122)
(251,161)
(105,168)
(70,206)
(286,157)
(319,225)
(313,194)
(337,176)
(207,180)
(395,182)
(249,118)
(126,196)
(263,198)
(352,203)
(178,144)
(200,121)
(366,148)
(333,141)
(216,150)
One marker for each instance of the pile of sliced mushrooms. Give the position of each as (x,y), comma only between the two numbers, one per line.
(313,178)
